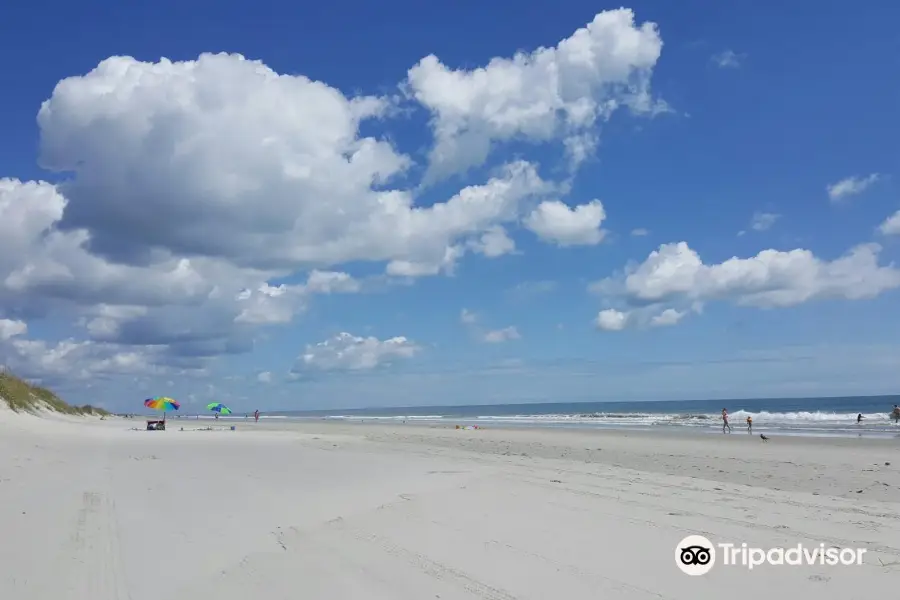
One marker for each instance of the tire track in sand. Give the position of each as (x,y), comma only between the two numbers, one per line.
(89,563)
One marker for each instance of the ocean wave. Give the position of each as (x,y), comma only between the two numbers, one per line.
(384,418)
(736,417)
(698,419)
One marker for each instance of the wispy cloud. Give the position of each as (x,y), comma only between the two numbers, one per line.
(467,317)
(728,59)
(639,232)
(891,225)
(851,186)
(530,289)
(762,221)
(470,321)
(498,336)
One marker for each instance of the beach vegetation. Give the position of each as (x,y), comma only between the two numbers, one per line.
(22,396)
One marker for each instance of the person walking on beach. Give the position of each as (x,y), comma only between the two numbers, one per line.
(749,424)
(256,415)
(725,424)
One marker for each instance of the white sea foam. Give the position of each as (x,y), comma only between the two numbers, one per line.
(385,418)
(696,419)
(637,418)
(792,423)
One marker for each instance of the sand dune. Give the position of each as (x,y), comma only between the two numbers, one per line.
(94,511)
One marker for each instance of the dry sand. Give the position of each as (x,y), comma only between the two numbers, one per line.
(93,511)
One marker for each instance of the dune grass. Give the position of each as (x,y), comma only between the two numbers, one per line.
(21,396)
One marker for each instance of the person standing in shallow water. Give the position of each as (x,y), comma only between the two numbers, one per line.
(895,414)
(749,424)
(725,424)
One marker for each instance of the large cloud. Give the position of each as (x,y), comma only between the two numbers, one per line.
(39,261)
(191,191)
(197,306)
(675,275)
(542,95)
(223,158)
(190,186)
(79,360)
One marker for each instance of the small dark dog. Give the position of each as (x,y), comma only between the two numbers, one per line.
(763,437)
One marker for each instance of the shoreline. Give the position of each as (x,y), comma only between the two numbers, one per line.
(887,431)
(291,423)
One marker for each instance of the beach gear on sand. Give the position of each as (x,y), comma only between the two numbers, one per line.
(162,403)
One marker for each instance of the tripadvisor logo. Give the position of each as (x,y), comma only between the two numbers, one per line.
(696,555)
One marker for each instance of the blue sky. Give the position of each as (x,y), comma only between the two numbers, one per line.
(737,128)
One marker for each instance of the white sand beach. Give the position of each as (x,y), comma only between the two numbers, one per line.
(317,510)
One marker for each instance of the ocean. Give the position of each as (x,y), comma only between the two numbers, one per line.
(786,416)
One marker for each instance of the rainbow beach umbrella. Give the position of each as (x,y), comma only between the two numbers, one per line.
(218,407)
(162,403)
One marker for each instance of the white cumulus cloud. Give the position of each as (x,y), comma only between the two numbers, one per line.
(676,274)
(192,186)
(541,95)
(668,317)
(345,351)
(494,242)
(554,221)
(612,320)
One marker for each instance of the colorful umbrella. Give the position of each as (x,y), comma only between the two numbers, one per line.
(219,408)
(161,403)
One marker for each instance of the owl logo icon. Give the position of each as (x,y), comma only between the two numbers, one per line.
(695,555)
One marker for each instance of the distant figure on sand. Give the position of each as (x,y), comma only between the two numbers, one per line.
(256,415)
(859,418)
(725,421)
(895,414)
(749,424)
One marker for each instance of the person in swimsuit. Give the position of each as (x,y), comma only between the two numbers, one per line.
(895,414)
(749,424)
(725,424)
(256,415)
(859,418)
